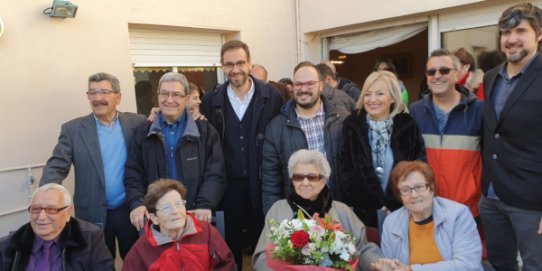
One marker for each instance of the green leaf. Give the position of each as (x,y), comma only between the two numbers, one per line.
(300,215)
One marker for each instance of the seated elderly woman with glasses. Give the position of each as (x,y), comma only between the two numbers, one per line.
(175,239)
(428,232)
(309,171)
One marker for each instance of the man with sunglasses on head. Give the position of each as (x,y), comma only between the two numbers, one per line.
(96,145)
(175,146)
(308,121)
(511,208)
(240,110)
(53,240)
(450,120)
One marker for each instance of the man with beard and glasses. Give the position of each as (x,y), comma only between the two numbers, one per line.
(240,110)
(96,145)
(511,207)
(308,121)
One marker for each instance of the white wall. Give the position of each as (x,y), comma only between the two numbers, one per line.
(45,63)
(325,15)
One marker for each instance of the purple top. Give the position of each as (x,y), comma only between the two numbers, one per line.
(39,260)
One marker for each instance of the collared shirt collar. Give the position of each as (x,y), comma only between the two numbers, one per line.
(38,242)
(248,97)
(504,74)
(99,122)
(176,122)
(318,113)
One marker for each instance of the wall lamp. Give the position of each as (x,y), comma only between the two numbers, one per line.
(61,9)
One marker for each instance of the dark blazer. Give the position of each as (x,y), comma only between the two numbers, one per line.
(82,248)
(267,105)
(512,144)
(78,145)
(357,177)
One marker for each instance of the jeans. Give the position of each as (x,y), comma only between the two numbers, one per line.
(508,229)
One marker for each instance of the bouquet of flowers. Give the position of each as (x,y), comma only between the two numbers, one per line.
(316,242)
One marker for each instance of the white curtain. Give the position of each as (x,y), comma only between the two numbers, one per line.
(373,39)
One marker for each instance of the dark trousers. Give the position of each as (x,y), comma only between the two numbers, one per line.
(508,230)
(243,223)
(118,227)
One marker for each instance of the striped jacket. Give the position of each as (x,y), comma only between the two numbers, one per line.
(455,154)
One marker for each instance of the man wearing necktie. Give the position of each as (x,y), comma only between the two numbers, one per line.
(53,240)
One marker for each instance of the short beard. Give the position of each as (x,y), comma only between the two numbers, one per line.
(308,105)
(517,57)
(242,81)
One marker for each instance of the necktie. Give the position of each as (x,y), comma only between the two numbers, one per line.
(44,264)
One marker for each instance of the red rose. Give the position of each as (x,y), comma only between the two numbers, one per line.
(299,239)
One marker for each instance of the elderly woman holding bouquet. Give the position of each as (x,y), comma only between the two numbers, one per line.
(174,239)
(378,135)
(428,232)
(309,171)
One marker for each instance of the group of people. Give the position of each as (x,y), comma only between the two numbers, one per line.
(438,172)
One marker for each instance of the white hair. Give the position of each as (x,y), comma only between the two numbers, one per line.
(67,197)
(308,157)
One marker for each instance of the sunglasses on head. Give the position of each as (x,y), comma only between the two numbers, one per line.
(312,177)
(443,71)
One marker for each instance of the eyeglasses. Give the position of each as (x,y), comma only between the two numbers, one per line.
(406,191)
(164,95)
(309,84)
(36,210)
(105,92)
(239,64)
(443,71)
(166,208)
(312,177)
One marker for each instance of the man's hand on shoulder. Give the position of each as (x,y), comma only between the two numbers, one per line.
(137,217)
(203,214)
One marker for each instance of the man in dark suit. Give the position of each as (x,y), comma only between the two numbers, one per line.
(511,208)
(240,110)
(97,146)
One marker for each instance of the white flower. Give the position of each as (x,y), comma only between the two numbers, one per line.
(345,256)
(306,250)
(316,232)
(296,224)
(342,245)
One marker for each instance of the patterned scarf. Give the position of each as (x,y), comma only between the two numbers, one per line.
(379,135)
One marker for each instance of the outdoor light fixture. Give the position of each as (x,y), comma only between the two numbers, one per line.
(61,9)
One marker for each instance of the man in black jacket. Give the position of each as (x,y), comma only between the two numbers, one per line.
(175,146)
(511,207)
(240,110)
(308,121)
(53,239)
